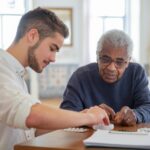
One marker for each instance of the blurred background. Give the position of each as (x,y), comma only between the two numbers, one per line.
(87,20)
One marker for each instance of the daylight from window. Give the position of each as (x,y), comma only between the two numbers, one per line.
(10,14)
(110,14)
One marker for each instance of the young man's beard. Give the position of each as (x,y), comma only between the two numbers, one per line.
(32,60)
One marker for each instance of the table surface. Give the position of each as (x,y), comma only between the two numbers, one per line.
(66,140)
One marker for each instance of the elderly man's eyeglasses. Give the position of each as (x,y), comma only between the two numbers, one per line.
(119,62)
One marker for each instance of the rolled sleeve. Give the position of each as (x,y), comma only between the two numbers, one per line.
(23,111)
(15,107)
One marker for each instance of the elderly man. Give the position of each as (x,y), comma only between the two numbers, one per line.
(113,83)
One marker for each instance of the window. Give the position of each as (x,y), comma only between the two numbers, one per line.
(10,14)
(114,14)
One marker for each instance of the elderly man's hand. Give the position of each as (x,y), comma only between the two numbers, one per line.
(110,112)
(125,116)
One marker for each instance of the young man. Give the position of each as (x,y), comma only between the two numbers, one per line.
(113,83)
(39,36)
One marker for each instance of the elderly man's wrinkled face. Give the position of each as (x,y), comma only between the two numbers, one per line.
(112,63)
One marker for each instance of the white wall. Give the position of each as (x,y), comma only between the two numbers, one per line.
(78,53)
(145,31)
(72,54)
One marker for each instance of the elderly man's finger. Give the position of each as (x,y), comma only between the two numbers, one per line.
(110,112)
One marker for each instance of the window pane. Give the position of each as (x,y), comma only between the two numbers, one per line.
(12,7)
(108,7)
(113,23)
(10,24)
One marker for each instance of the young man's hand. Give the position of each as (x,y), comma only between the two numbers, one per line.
(99,115)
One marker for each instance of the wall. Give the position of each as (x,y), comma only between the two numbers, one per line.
(73,53)
(145,32)
(78,53)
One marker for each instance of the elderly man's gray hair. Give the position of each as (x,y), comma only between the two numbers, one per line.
(115,39)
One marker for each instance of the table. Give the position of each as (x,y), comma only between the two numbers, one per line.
(65,140)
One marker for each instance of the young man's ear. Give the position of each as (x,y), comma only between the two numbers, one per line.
(32,36)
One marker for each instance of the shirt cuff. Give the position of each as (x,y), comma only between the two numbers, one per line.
(138,116)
